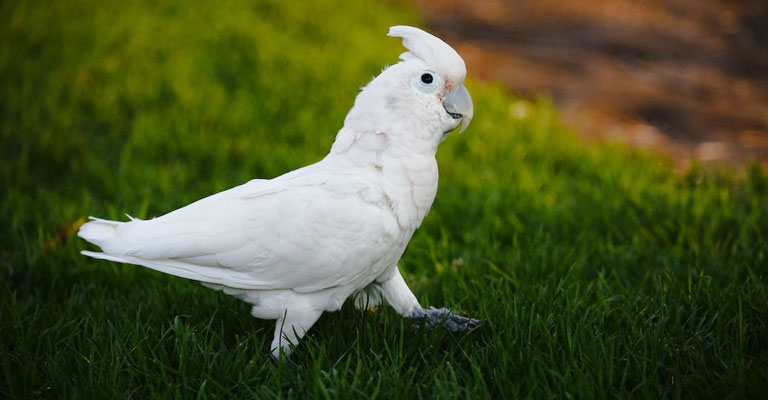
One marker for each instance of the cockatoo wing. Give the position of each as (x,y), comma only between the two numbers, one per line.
(303,231)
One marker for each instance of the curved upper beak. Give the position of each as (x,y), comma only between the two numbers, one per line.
(458,103)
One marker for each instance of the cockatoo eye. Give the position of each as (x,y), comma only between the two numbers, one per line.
(426,81)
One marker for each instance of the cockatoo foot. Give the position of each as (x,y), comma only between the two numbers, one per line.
(443,316)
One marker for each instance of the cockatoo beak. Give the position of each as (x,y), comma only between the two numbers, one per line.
(458,103)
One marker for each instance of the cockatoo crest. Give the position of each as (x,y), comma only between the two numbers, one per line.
(416,102)
(430,49)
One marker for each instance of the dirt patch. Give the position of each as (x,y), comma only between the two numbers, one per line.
(685,77)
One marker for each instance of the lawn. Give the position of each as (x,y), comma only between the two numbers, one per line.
(599,270)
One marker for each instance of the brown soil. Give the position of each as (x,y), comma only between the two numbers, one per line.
(686,77)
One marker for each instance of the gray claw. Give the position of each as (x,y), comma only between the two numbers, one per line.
(443,316)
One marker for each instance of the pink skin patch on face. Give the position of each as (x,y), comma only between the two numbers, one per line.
(447,88)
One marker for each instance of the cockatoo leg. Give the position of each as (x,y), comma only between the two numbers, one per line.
(397,293)
(443,316)
(290,328)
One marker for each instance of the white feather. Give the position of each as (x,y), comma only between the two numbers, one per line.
(301,243)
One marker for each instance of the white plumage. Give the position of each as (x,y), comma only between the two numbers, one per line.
(300,244)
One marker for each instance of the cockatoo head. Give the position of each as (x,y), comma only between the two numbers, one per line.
(419,99)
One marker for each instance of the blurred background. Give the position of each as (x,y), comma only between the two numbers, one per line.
(685,77)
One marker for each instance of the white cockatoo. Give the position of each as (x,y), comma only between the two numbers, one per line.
(300,244)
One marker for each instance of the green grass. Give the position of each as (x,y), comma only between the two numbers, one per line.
(600,271)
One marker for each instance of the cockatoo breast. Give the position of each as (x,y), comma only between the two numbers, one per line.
(403,180)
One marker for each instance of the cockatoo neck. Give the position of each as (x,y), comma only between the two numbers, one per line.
(367,148)
(384,118)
